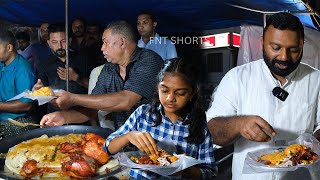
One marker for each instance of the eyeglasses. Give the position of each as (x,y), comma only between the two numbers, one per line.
(280,93)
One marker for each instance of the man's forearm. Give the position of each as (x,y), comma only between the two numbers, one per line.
(79,115)
(118,101)
(224,129)
(15,106)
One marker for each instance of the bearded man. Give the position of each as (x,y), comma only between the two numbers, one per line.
(268,102)
(52,72)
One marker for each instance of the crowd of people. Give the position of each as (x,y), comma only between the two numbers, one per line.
(145,93)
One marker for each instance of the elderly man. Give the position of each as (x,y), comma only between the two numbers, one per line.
(126,81)
(16,76)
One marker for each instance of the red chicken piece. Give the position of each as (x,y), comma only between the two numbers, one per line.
(70,147)
(29,168)
(98,138)
(79,167)
(94,149)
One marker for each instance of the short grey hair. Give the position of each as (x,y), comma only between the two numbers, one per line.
(123,28)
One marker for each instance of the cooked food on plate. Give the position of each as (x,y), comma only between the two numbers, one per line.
(43,91)
(293,155)
(161,159)
(73,155)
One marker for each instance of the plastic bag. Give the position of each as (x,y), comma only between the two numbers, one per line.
(41,99)
(251,166)
(182,163)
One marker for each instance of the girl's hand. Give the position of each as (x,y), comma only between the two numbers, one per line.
(143,141)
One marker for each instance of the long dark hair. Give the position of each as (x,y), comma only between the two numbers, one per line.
(194,108)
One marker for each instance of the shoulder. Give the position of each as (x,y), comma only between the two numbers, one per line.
(305,70)
(144,108)
(254,67)
(22,62)
(147,55)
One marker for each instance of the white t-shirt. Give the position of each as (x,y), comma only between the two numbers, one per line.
(247,90)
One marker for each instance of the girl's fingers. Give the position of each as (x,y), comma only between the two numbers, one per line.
(152,144)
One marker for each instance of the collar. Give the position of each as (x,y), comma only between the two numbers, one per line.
(135,54)
(185,117)
(156,36)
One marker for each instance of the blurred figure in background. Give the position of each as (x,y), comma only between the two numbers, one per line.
(146,25)
(26,49)
(42,45)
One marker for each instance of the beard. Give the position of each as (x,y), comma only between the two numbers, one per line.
(78,34)
(60,53)
(291,66)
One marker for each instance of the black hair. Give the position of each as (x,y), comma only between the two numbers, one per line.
(23,35)
(283,21)
(6,37)
(194,109)
(80,19)
(57,27)
(150,14)
(123,28)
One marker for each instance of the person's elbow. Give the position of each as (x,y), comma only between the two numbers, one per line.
(26,107)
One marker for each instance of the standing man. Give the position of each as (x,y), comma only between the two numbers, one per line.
(52,72)
(16,76)
(126,81)
(78,27)
(26,49)
(270,101)
(42,46)
(146,25)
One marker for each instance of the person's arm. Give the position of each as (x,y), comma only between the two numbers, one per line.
(59,118)
(73,76)
(15,106)
(128,133)
(225,130)
(142,140)
(117,101)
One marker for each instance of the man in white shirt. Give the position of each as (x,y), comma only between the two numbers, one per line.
(270,101)
(146,24)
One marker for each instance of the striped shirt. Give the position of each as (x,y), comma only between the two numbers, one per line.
(141,120)
(140,78)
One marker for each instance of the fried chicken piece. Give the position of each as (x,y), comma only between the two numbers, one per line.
(98,138)
(95,150)
(70,147)
(79,166)
(29,168)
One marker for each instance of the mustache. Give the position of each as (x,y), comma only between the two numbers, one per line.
(62,50)
(285,63)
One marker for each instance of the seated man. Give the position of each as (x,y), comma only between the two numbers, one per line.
(126,81)
(16,77)
(52,71)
